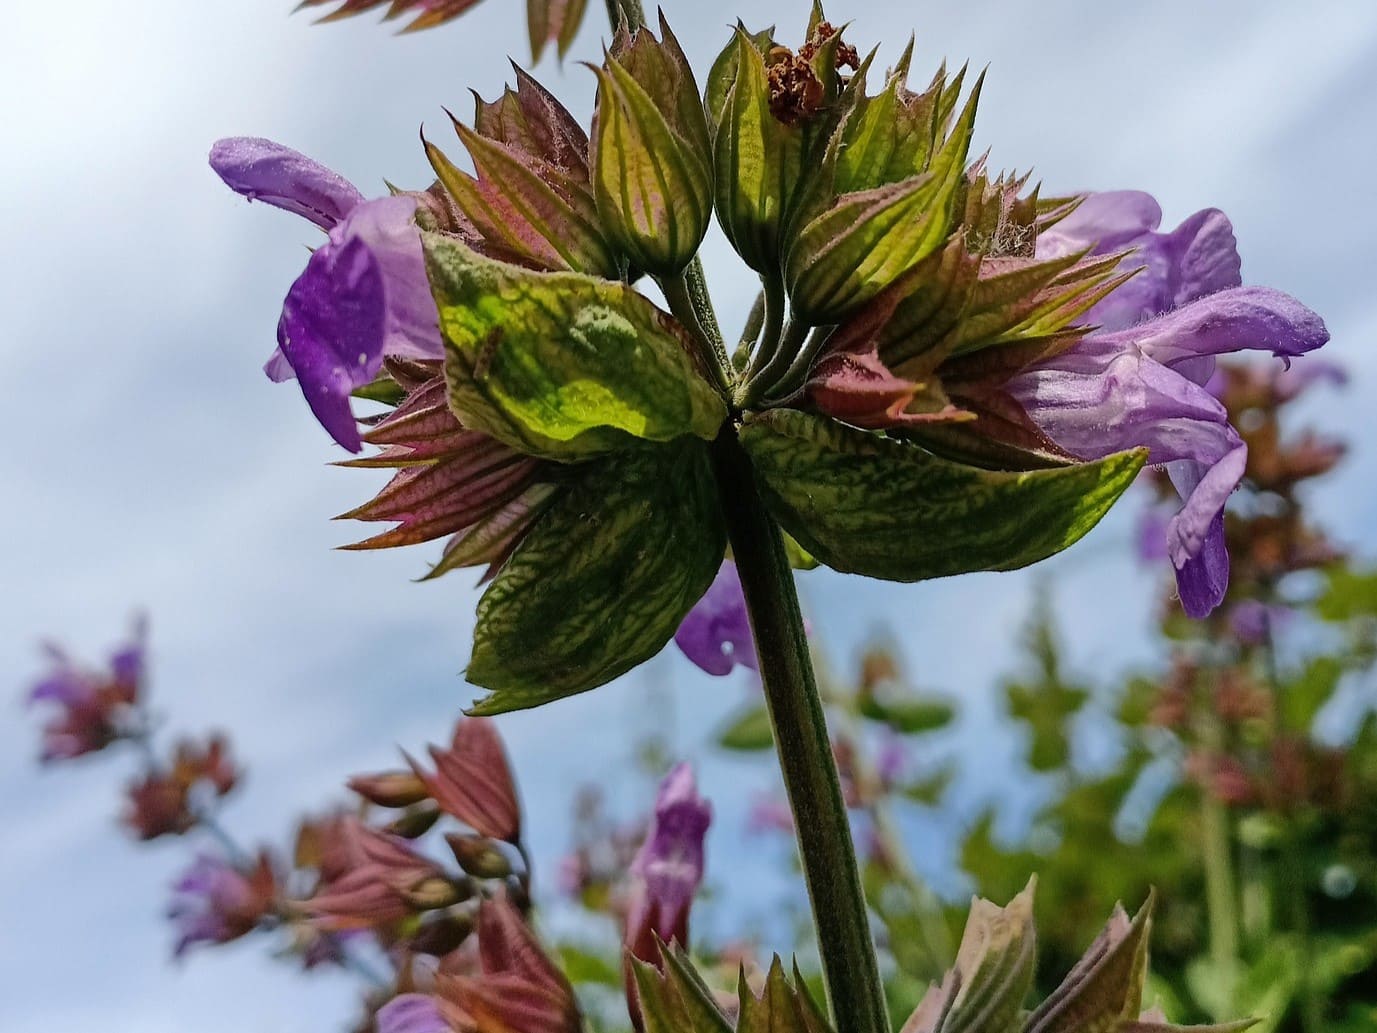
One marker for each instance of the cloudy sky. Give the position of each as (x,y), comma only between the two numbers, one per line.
(152,465)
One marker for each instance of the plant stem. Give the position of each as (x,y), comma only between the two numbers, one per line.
(1220,898)
(772,287)
(789,344)
(694,311)
(850,969)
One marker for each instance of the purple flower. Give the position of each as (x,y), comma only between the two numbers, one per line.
(716,633)
(1142,384)
(769,813)
(669,867)
(1197,258)
(93,706)
(364,294)
(411,1013)
(1254,623)
(214,902)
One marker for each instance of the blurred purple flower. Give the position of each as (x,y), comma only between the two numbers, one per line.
(769,813)
(1296,380)
(1142,384)
(716,634)
(93,707)
(1254,623)
(364,294)
(669,867)
(891,762)
(1152,533)
(411,1013)
(214,902)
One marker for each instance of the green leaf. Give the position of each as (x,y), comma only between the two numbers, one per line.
(1349,594)
(676,1000)
(747,731)
(583,966)
(1306,694)
(930,790)
(562,365)
(992,974)
(867,504)
(910,716)
(1105,988)
(782,1007)
(602,581)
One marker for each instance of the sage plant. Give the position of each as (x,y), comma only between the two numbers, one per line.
(945,372)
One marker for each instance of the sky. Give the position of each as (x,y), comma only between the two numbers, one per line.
(155,468)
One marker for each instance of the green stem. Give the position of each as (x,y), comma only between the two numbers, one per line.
(702,303)
(795,333)
(797,372)
(750,337)
(691,310)
(850,969)
(773,289)
(1220,892)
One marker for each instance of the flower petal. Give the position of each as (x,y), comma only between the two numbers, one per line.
(262,170)
(331,332)
(387,225)
(1110,219)
(411,1013)
(716,634)
(1242,318)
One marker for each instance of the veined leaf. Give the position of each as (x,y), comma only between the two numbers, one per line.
(603,580)
(561,365)
(867,504)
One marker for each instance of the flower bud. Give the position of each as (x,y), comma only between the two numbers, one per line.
(650,152)
(390,788)
(434,892)
(414,822)
(479,856)
(440,935)
(764,105)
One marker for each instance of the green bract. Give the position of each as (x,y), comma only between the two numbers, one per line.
(562,365)
(985,992)
(869,504)
(650,153)
(602,581)
(577,439)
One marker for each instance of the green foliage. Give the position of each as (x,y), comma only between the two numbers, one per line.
(747,731)
(602,582)
(562,365)
(872,505)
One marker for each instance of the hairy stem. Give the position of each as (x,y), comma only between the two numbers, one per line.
(825,846)
(772,290)
(693,311)
(789,345)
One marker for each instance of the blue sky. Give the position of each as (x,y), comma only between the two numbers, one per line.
(153,465)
